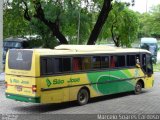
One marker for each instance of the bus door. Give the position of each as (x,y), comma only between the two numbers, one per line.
(148,69)
(147,64)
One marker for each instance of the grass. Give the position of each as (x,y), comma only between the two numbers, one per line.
(156,67)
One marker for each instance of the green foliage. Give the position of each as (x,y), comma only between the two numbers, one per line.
(125,24)
(47,41)
(14,22)
(149,23)
(129,29)
(69,13)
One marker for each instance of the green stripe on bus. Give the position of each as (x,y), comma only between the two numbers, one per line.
(111,87)
(23,98)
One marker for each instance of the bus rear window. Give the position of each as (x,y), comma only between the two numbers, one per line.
(20,59)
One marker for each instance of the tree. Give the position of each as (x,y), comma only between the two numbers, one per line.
(39,14)
(107,6)
(154,21)
(121,25)
(55,26)
(14,22)
(62,18)
(149,23)
(124,28)
(145,25)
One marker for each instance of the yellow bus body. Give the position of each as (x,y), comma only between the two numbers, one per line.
(30,86)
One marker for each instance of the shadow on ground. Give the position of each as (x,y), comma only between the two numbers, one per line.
(43,108)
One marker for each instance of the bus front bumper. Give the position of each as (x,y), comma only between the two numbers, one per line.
(23,98)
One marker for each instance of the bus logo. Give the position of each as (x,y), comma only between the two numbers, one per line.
(48,82)
(19,57)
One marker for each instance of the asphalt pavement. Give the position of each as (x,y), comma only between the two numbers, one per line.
(124,103)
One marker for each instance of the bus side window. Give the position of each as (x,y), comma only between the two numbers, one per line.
(117,61)
(77,63)
(62,65)
(131,60)
(58,65)
(66,65)
(86,63)
(120,61)
(104,62)
(96,61)
(112,61)
(138,59)
(47,66)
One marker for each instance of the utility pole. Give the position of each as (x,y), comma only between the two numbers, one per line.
(79,23)
(146,6)
(1,34)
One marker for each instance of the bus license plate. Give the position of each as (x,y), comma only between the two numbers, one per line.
(19,88)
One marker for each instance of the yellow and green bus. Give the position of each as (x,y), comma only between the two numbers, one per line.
(76,72)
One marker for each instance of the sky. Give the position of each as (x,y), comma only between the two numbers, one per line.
(141,5)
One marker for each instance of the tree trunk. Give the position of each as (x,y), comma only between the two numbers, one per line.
(107,6)
(53,26)
(114,38)
(118,42)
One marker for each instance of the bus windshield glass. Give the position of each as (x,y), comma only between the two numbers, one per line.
(12,44)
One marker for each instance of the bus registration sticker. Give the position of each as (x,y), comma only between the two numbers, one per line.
(19,88)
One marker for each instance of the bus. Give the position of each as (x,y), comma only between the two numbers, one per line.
(14,43)
(76,73)
(151,45)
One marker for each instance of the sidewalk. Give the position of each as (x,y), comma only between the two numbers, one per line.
(2,75)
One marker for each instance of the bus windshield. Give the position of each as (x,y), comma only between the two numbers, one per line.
(12,44)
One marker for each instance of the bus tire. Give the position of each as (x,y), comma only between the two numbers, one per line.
(83,96)
(138,88)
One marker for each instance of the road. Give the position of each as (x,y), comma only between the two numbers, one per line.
(145,103)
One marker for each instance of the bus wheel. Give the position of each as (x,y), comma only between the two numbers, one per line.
(82,97)
(138,88)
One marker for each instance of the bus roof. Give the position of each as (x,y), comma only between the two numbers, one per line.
(11,39)
(148,40)
(86,49)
